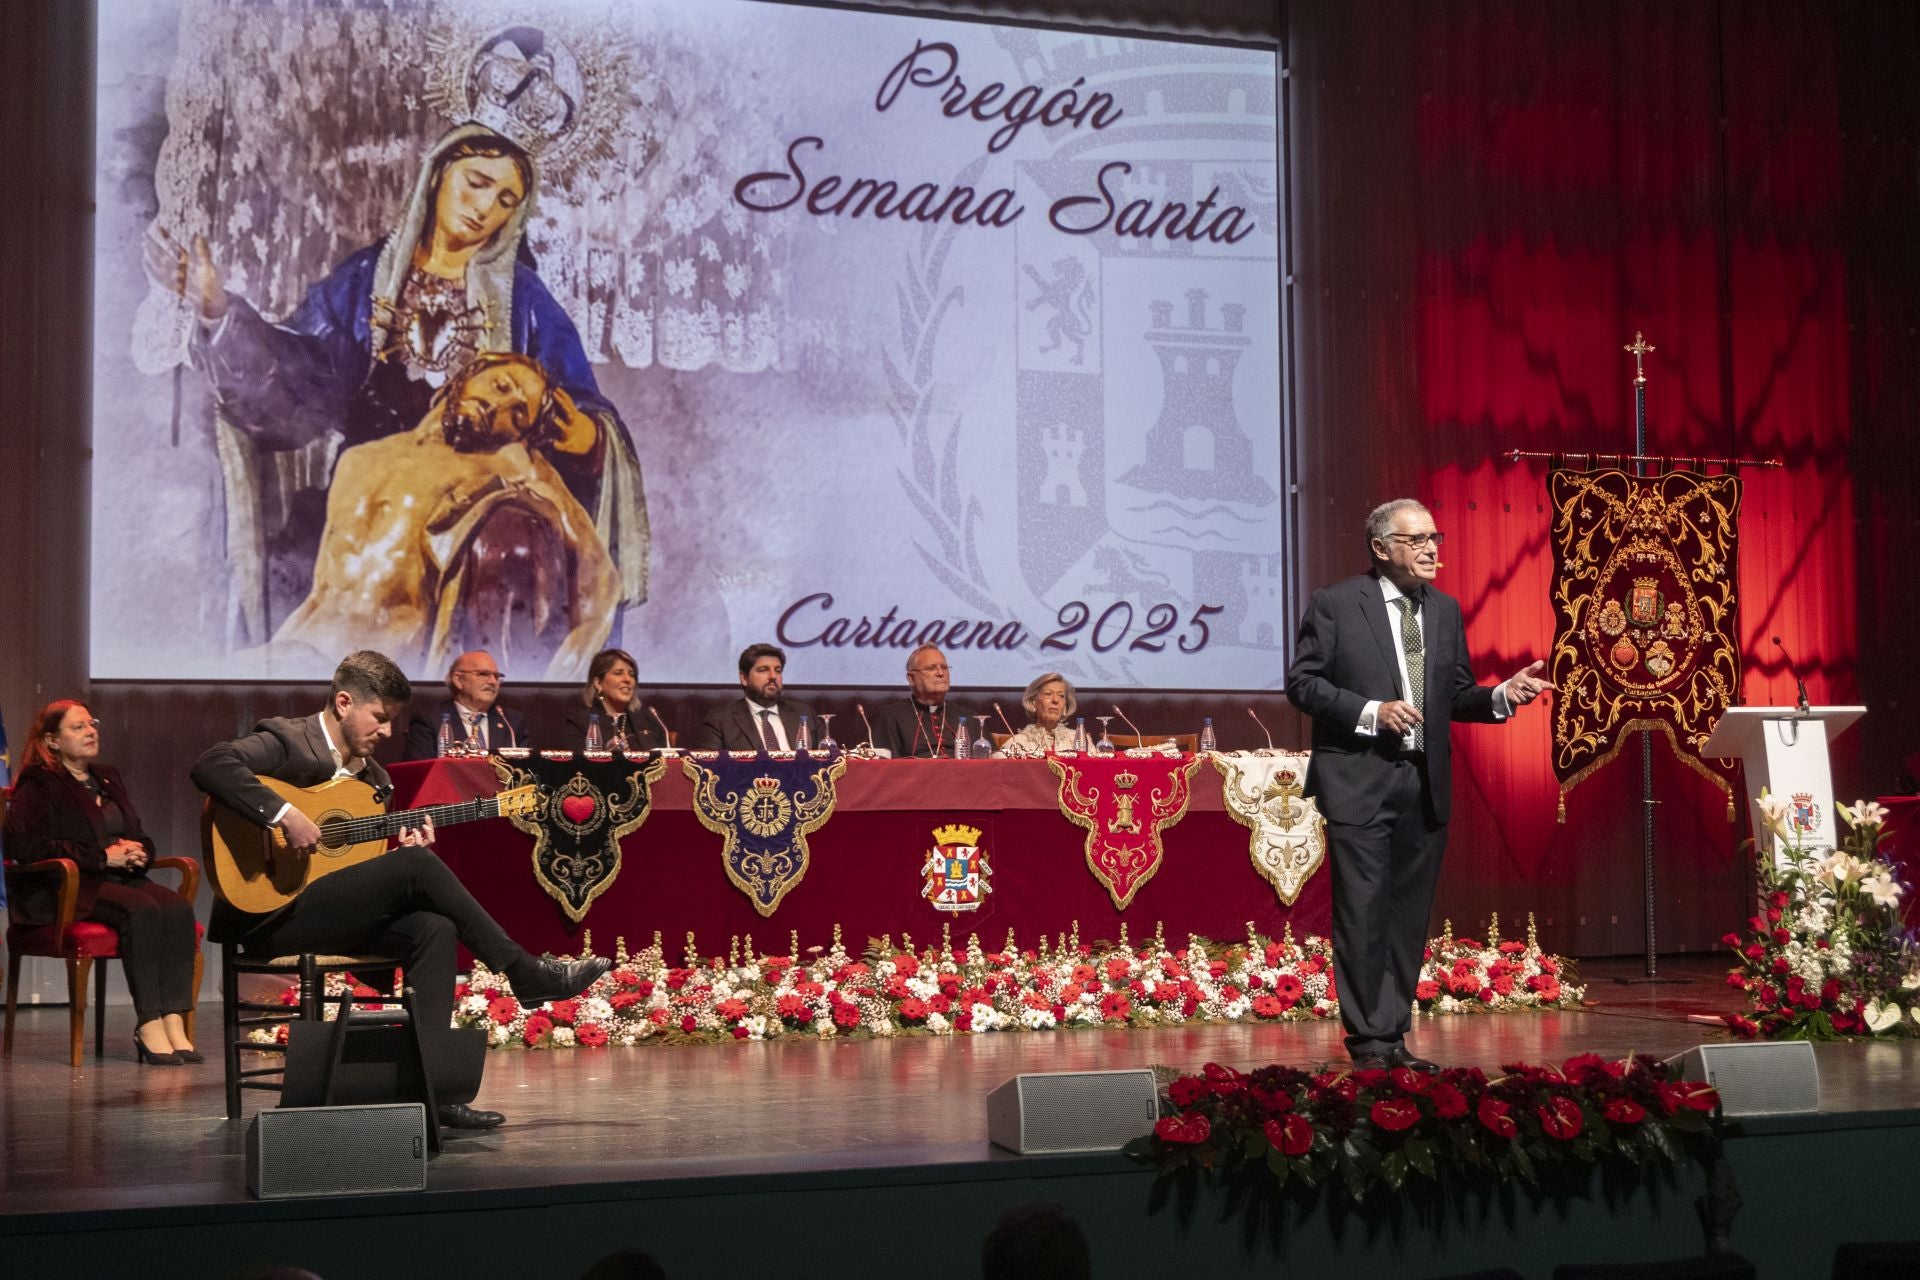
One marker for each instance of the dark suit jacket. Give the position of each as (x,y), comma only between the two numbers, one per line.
(732,728)
(1346,658)
(897,729)
(290,750)
(53,815)
(642,733)
(505,728)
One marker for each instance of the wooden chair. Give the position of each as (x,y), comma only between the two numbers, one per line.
(78,943)
(239,1018)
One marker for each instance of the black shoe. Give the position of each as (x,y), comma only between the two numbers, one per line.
(1370,1062)
(556,980)
(189,1055)
(149,1058)
(1400,1057)
(459,1115)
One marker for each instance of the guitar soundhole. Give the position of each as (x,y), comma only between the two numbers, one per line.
(329,846)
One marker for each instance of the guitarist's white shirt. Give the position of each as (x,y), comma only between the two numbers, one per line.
(340,769)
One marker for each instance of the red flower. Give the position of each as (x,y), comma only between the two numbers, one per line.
(1188,1091)
(624,1000)
(963,1022)
(793,1008)
(1427,989)
(1549,965)
(1755,951)
(1730,940)
(739,1031)
(625,978)
(939,1003)
(503,1010)
(1494,1114)
(913,1011)
(1512,948)
(564,1011)
(1217,1075)
(1115,1007)
(1117,969)
(1410,1081)
(1188,1130)
(1292,1136)
(1448,1102)
(846,1015)
(1562,1120)
(1395,1114)
(688,1024)
(678,978)
(1268,1007)
(538,1025)
(731,1010)
(1312,966)
(896,988)
(658,1017)
(905,965)
(1625,1111)
(1502,985)
(1229,992)
(591,1035)
(1288,990)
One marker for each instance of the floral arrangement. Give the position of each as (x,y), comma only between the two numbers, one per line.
(894,991)
(1372,1129)
(1827,954)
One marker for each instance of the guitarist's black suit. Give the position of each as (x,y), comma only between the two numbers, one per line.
(405,903)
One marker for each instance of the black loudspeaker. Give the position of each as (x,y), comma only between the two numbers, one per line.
(1757,1077)
(377,1065)
(337,1151)
(1064,1111)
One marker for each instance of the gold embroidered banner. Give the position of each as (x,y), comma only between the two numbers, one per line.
(765,808)
(1268,794)
(1124,804)
(586,808)
(1645,599)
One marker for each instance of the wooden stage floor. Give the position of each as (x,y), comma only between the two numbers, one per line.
(116,1135)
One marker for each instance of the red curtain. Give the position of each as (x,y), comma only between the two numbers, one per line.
(1526,187)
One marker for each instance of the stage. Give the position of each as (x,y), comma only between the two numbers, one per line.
(870,1157)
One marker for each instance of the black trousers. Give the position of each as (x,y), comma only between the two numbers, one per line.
(404,903)
(155,925)
(1384,874)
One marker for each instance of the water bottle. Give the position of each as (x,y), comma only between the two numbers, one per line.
(446,740)
(960,751)
(1081,743)
(803,741)
(596,737)
(1207,741)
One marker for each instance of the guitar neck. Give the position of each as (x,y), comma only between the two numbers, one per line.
(385,826)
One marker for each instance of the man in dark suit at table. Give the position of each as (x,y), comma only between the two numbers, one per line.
(922,724)
(478,718)
(1381,667)
(761,718)
(405,903)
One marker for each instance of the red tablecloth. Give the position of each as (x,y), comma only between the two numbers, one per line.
(864,869)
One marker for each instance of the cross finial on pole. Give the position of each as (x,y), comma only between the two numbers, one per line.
(1639,347)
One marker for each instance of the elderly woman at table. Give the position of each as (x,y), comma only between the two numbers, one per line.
(1050,701)
(68,805)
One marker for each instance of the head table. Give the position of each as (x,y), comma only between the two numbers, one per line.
(865,866)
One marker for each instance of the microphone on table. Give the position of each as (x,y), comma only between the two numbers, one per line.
(861,707)
(1263,728)
(1130,724)
(666,737)
(1793,671)
(1003,719)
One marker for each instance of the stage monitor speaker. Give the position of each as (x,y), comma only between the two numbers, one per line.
(1065,1111)
(337,1151)
(1757,1077)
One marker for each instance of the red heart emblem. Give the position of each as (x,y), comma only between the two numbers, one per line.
(577,809)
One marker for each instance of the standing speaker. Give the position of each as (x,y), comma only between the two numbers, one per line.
(1757,1077)
(337,1151)
(1063,1111)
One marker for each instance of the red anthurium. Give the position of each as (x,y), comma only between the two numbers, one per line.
(1292,1136)
(1562,1119)
(1496,1116)
(1190,1129)
(1395,1114)
(1625,1111)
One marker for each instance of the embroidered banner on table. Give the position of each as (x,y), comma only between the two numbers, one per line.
(765,808)
(1646,606)
(1268,794)
(1124,804)
(585,807)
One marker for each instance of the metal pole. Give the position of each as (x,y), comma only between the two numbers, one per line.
(1640,347)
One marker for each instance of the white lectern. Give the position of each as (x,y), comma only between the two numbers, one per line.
(1785,751)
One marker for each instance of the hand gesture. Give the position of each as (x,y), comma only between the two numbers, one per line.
(190,273)
(1526,684)
(1398,717)
(303,837)
(421,835)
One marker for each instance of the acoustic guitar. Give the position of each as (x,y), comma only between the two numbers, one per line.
(254,870)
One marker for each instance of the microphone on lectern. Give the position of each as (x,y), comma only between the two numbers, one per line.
(1793,671)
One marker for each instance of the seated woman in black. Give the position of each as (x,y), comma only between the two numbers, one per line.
(624,723)
(67,805)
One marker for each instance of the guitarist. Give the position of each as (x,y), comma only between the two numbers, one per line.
(406,903)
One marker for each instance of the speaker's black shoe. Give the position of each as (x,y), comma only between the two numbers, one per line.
(189,1055)
(149,1058)
(1402,1058)
(459,1115)
(548,979)
(1371,1062)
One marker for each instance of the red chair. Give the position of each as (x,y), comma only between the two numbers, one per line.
(79,943)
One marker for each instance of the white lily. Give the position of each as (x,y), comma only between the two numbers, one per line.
(1882,888)
(1863,814)
(1773,812)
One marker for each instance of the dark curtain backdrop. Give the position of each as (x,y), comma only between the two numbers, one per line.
(1489,199)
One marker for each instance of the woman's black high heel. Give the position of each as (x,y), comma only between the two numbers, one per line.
(189,1055)
(149,1058)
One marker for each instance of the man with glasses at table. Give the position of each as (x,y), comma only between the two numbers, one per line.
(922,724)
(1381,667)
(479,720)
